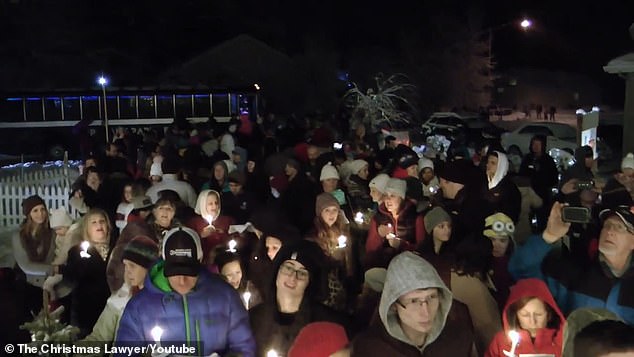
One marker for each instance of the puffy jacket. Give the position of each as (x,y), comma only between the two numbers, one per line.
(575,283)
(211,317)
(547,340)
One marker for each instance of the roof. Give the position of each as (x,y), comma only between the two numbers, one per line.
(621,64)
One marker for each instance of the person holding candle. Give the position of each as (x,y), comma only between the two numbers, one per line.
(210,225)
(292,302)
(186,303)
(395,227)
(230,267)
(86,269)
(331,233)
(532,313)
(357,185)
(377,188)
(34,251)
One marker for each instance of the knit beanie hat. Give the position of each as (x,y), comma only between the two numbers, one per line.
(60,218)
(456,171)
(323,201)
(628,161)
(319,339)
(435,217)
(357,165)
(237,177)
(379,182)
(396,187)
(294,164)
(497,225)
(141,250)
(375,278)
(328,172)
(424,162)
(29,203)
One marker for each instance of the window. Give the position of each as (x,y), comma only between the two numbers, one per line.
(536,130)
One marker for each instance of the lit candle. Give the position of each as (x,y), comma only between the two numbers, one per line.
(358,217)
(272,353)
(157,332)
(391,234)
(342,241)
(515,339)
(246,296)
(232,246)
(84,249)
(210,219)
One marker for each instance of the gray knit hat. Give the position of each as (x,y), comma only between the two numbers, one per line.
(141,250)
(435,217)
(396,187)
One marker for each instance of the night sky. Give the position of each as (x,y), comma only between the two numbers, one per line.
(138,39)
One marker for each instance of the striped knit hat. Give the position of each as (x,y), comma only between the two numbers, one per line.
(141,250)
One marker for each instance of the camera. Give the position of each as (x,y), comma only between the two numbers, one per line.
(575,214)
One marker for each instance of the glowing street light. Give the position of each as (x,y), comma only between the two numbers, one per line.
(525,24)
(103,82)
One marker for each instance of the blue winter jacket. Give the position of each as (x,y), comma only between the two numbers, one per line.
(574,283)
(211,318)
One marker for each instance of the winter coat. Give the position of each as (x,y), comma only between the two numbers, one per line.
(277,330)
(541,170)
(216,238)
(410,228)
(530,202)
(240,206)
(91,287)
(574,283)
(448,336)
(211,317)
(502,194)
(547,340)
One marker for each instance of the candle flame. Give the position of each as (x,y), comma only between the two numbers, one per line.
(85,245)
(514,336)
(342,240)
(156,332)
(272,353)
(358,217)
(232,245)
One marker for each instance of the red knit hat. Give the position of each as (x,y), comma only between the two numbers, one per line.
(319,339)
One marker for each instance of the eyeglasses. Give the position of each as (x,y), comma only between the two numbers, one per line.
(616,227)
(417,303)
(288,270)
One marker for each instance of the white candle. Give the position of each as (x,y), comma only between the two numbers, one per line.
(391,234)
(358,217)
(272,353)
(246,296)
(232,246)
(342,241)
(84,249)
(515,339)
(156,333)
(210,219)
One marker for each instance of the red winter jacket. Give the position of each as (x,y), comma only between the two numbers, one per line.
(547,340)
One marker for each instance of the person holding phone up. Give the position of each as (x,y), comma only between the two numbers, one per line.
(607,281)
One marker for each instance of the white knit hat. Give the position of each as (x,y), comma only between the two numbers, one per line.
(379,182)
(628,161)
(357,165)
(156,170)
(60,218)
(424,162)
(328,172)
(397,187)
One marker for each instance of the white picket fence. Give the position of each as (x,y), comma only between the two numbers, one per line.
(52,184)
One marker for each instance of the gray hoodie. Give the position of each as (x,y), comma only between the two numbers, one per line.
(408,272)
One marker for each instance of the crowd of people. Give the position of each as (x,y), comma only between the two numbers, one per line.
(263,239)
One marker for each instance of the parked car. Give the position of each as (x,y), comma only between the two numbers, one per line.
(559,135)
(474,127)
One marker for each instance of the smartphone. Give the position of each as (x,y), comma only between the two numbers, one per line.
(575,214)
(584,185)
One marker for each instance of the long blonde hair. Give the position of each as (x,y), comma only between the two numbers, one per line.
(36,238)
(324,234)
(85,225)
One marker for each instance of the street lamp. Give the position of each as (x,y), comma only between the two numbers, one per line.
(525,25)
(103,82)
